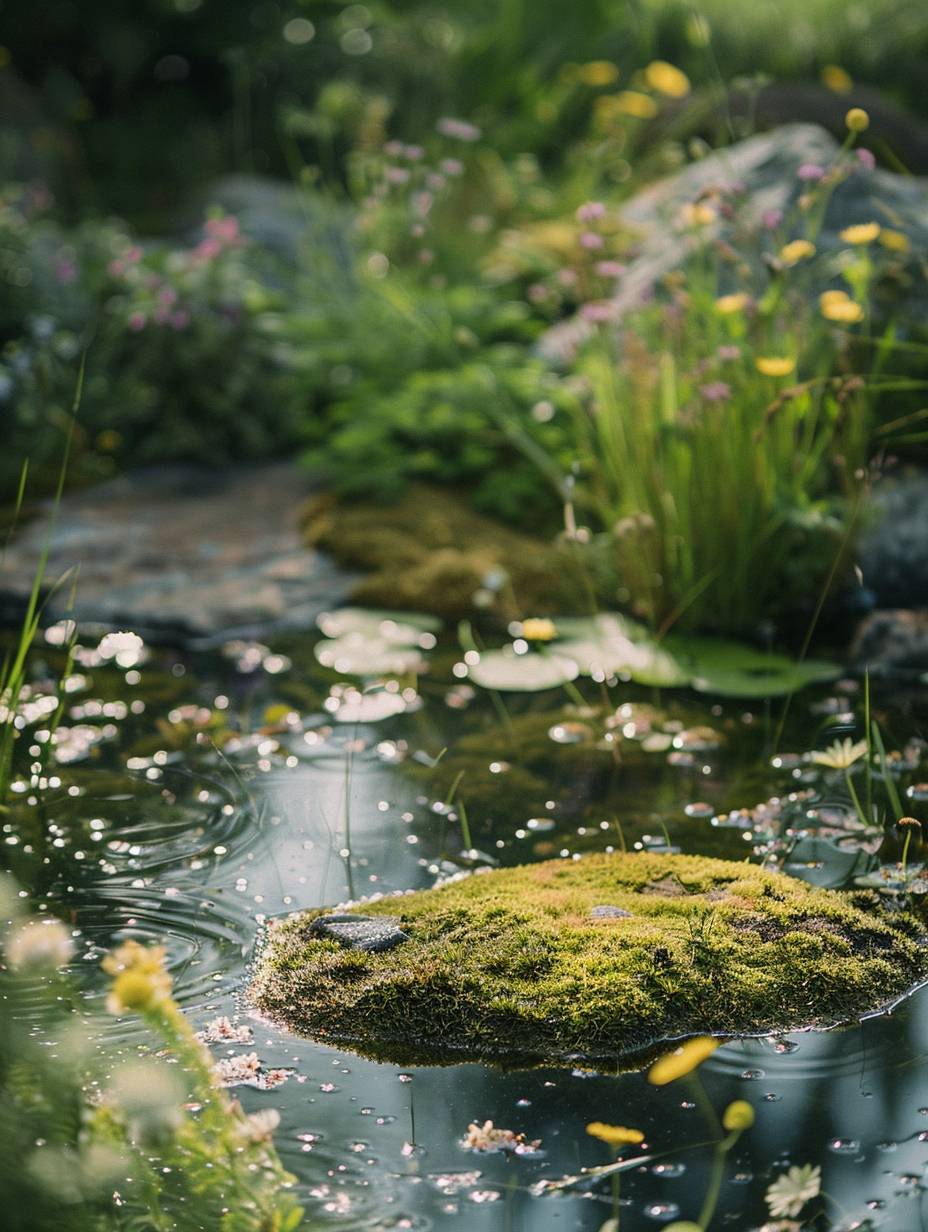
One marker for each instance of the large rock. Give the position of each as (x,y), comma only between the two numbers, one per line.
(765,167)
(523,964)
(179,554)
(893,550)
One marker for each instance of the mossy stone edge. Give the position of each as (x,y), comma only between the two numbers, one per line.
(510,967)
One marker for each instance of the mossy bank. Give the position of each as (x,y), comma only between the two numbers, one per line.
(598,959)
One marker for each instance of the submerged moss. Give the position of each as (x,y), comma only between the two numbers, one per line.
(432,552)
(512,966)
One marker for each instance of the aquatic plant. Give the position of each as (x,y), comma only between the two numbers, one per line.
(98,1142)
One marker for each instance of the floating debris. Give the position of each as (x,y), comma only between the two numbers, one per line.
(487,1138)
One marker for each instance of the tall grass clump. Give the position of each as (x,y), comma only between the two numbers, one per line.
(724,441)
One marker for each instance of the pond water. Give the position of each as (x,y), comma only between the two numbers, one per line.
(207,793)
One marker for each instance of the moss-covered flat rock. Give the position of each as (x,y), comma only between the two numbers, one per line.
(525,965)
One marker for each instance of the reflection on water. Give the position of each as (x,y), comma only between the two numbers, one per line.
(180,830)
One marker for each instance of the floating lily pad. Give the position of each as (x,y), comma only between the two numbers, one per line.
(355,707)
(526,673)
(356,655)
(614,644)
(732,669)
(402,628)
(364,642)
(517,965)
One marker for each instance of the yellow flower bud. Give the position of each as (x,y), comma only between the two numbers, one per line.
(682,1060)
(667,79)
(796,250)
(895,241)
(539,629)
(857,120)
(614,1135)
(598,73)
(862,233)
(633,103)
(133,990)
(835,78)
(727,304)
(838,306)
(738,1115)
(775,365)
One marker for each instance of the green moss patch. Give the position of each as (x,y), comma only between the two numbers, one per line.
(432,552)
(515,966)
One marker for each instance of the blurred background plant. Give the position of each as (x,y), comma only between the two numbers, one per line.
(94,1141)
(383,314)
(238,85)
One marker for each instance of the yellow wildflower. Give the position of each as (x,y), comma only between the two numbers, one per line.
(838,306)
(775,365)
(796,250)
(598,73)
(857,120)
(698,214)
(837,79)
(633,103)
(861,233)
(895,241)
(738,1115)
(667,79)
(539,629)
(141,981)
(682,1060)
(727,304)
(614,1135)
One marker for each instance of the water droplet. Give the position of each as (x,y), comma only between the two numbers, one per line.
(844,1146)
(662,1211)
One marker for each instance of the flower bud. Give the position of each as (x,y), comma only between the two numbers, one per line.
(739,1115)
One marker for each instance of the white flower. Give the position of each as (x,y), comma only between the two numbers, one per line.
(260,1126)
(793,1189)
(150,1097)
(841,755)
(38,944)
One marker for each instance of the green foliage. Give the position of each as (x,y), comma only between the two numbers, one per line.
(512,961)
(93,1142)
(181,358)
(227,82)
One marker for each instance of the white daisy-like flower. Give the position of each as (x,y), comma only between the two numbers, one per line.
(841,755)
(39,944)
(260,1126)
(793,1189)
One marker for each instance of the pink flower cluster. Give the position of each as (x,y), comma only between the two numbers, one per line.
(221,233)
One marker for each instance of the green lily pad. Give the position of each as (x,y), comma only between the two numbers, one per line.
(356,655)
(364,642)
(616,646)
(526,673)
(731,669)
(611,643)
(401,628)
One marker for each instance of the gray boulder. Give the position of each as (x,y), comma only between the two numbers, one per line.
(765,167)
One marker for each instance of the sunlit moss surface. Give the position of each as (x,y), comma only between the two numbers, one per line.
(511,965)
(430,551)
